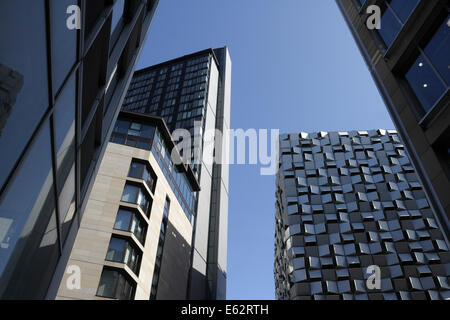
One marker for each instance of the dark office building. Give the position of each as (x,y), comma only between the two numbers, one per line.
(193,93)
(61,89)
(347,201)
(409,58)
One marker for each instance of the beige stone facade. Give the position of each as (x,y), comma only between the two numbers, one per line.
(97,227)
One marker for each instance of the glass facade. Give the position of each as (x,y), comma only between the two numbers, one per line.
(47,157)
(429,75)
(133,134)
(395,15)
(177,180)
(177,92)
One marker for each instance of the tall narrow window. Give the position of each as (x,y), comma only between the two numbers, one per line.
(159,253)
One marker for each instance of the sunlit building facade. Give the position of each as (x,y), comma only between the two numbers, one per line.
(61,89)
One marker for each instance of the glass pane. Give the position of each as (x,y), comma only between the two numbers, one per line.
(117,13)
(124,289)
(64,132)
(121,126)
(390,27)
(123,220)
(27,204)
(115,250)
(134,133)
(107,285)
(135,126)
(144,145)
(438,50)
(136,170)
(134,225)
(64,41)
(147,131)
(403,8)
(130,193)
(25,76)
(425,83)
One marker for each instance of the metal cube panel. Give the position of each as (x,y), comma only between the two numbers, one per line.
(349,200)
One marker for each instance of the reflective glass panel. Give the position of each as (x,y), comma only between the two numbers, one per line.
(28,201)
(425,83)
(23,74)
(64,41)
(438,50)
(64,126)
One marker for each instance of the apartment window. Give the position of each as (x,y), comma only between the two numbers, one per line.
(395,15)
(129,220)
(113,284)
(140,170)
(133,134)
(429,75)
(135,194)
(120,250)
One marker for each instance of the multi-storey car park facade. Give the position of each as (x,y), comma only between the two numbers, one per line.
(61,91)
(347,201)
(409,59)
(135,237)
(193,92)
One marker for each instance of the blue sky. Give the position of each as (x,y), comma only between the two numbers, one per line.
(295,68)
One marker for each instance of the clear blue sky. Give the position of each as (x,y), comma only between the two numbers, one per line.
(295,68)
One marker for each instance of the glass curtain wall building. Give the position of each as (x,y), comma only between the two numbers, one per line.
(409,58)
(193,93)
(347,201)
(61,89)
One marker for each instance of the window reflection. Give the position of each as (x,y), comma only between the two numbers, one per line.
(28,203)
(429,75)
(120,250)
(395,15)
(64,127)
(425,83)
(128,220)
(438,50)
(25,73)
(117,14)
(64,42)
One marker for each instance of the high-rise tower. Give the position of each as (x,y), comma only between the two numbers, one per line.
(193,92)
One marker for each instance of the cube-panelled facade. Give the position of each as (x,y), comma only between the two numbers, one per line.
(347,201)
